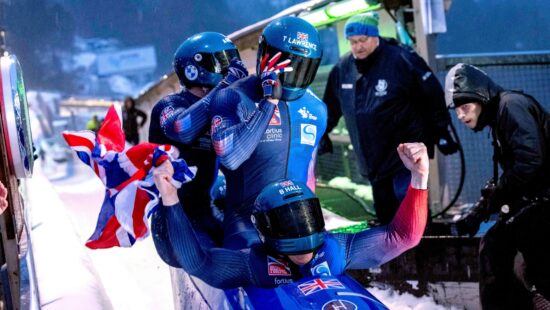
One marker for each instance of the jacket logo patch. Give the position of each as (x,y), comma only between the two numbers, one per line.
(166,114)
(381,88)
(347,86)
(308,134)
(306,114)
(216,121)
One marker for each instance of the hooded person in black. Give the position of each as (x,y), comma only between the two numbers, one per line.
(520,128)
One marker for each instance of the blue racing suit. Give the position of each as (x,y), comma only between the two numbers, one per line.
(258,142)
(182,120)
(225,268)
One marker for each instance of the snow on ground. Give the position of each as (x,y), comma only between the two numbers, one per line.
(65,274)
(359,190)
(133,278)
(395,301)
(333,220)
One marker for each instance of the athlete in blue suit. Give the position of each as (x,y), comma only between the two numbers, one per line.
(289,220)
(267,128)
(182,119)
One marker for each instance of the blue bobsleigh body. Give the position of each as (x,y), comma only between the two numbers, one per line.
(327,292)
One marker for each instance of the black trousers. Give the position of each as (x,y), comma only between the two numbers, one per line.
(529,233)
(133,138)
(388,194)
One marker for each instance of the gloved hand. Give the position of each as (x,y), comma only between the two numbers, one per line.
(446,144)
(269,72)
(271,85)
(235,71)
(325,145)
(469,225)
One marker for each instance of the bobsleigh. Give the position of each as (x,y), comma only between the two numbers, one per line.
(317,292)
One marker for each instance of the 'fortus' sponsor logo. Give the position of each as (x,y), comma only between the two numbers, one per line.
(273,135)
(280,281)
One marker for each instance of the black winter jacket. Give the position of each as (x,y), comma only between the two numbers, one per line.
(396,98)
(522,130)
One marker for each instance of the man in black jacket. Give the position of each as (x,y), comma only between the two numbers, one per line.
(521,135)
(387,95)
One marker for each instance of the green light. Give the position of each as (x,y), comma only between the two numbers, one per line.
(316,18)
(348,8)
(345,7)
(338,11)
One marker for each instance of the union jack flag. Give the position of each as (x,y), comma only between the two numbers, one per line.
(276,117)
(315,285)
(302,36)
(165,114)
(130,193)
(286,183)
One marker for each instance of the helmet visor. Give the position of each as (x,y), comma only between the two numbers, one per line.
(303,68)
(216,62)
(294,220)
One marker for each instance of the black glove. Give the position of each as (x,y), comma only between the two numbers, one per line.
(446,144)
(325,145)
(469,225)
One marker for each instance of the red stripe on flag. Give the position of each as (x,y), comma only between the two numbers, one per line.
(75,140)
(108,237)
(140,227)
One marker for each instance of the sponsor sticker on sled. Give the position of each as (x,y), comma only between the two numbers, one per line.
(277,267)
(338,304)
(316,285)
